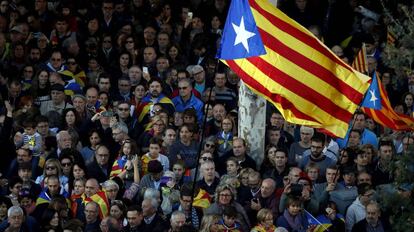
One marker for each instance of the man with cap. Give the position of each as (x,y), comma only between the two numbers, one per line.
(153,178)
(57,103)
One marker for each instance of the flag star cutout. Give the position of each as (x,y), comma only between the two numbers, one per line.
(242,35)
(373,97)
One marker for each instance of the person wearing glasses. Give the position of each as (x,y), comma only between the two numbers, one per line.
(187,99)
(52,168)
(357,210)
(100,168)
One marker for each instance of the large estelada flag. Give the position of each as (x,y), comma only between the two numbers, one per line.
(378,107)
(282,61)
(360,62)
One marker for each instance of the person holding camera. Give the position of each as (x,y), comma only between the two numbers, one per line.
(266,198)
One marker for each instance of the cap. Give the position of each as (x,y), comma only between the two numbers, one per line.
(197,69)
(154,166)
(57,87)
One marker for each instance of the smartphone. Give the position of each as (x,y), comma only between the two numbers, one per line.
(145,70)
(190,15)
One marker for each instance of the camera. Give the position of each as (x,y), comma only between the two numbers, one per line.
(296,190)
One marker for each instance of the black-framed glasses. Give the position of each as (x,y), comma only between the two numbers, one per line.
(67,164)
(210,145)
(206,158)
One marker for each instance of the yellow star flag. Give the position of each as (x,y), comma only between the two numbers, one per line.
(306,82)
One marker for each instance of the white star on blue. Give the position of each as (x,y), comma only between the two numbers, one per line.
(372,98)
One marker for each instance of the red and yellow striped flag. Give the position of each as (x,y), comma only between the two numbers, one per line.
(386,116)
(391,38)
(202,200)
(101,199)
(360,61)
(307,83)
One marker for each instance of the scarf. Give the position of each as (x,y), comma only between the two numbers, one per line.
(295,222)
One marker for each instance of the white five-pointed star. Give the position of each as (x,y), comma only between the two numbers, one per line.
(242,35)
(373,97)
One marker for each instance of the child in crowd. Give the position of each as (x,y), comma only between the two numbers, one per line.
(154,154)
(228,223)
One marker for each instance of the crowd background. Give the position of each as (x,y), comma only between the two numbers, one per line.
(102,114)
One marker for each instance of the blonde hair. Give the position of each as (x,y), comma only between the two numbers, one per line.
(261,215)
(54,162)
(208,221)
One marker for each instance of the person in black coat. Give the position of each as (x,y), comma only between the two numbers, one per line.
(373,220)
(100,167)
(153,221)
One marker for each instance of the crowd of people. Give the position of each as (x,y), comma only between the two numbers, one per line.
(116,116)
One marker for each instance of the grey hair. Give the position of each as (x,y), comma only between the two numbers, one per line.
(95,204)
(61,133)
(207,162)
(175,214)
(121,126)
(151,193)
(153,201)
(110,183)
(223,187)
(15,210)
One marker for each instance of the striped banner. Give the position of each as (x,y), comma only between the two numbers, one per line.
(391,38)
(306,82)
(360,61)
(386,116)
(101,199)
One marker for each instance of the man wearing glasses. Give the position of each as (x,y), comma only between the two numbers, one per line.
(100,167)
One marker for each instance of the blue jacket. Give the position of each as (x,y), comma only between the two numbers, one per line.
(194,102)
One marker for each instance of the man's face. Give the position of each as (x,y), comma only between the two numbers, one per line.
(163,40)
(277,120)
(178,171)
(219,112)
(65,141)
(79,104)
(91,213)
(170,136)
(359,122)
(149,33)
(124,86)
(354,139)
(57,97)
(184,89)
(178,222)
(61,26)
(91,96)
(266,189)
(373,214)
(330,175)
(53,186)
(134,73)
(149,55)
(386,153)
(364,178)
(147,209)
(91,187)
(123,110)
(185,202)
(15,220)
(209,171)
(23,156)
(102,156)
(155,89)
(316,148)
(280,159)
(107,9)
(104,84)
(56,60)
(305,136)
(117,135)
(220,80)
(134,218)
(238,148)
(35,54)
(274,136)
(162,64)
(14,90)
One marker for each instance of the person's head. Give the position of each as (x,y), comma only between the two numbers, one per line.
(91,187)
(15,217)
(294,206)
(129,147)
(102,155)
(312,170)
(239,147)
(66,162)
(15,185)
(268,187)
(51,218)
(273,135)
(134,216)
(149,207)
(91,95)
(177,220)
(232,166)
(370,151)
(385,151)
(186,133)
(155,145)
(277,120)
(111,189)
(24,171)
(64,139)
(224,194)
(227,124)
(354,138)
(91,212)
(332,174)
(210,223)
(104,82)
(317,145)
(162,64)
(29,126)
(294,174)
(407,141)
(373,213)
(170,136)
(118,210)
(150,55)
(79,186)
(5,203)
(52,167)
(229,215)
(220,79)
(254,180)
(210,144)
(361,158)
(79,170)
(109,224)
(124,85)
(219,112)
(366,193)
(178,169)
(348,175)
(119,132)
(56,59)
(359,120)
(265,217)
(53,185)
(155,169)
(280,157)
(70,117)
(155,87)
(208,170)
(57,93)
(123,110)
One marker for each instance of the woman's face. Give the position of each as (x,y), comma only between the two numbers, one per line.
(43,78)
(103,99)
(294,209)
(66,166)
(72,65)
(93,25)
(115,212)
(158,127)
(129,43)
(185,134)
(408,100)
(344,157)
(126,149)
(227,126)
(245,179)
(139,92)
(313,174)
(79,187)
(124,60)
(28,72)
(70,118)
(173,52)
(51,169)
(78,172)
(225,197)
(55,220)
(215,23)
(94,139)
(369,153)
(268,220)
(271,154)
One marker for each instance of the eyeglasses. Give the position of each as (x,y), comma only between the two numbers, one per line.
(54,59)
(107,41)
(50,168)
(123,109)
(210,145)
(206,158)
(198,73)
(28,71)
(184,87)
(129,41)
(102,155)
(66,164)
(71,63)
